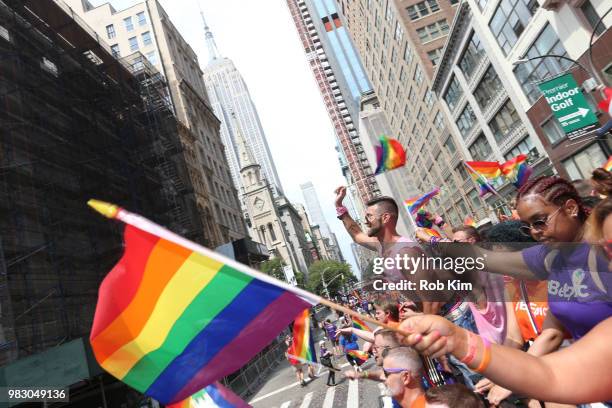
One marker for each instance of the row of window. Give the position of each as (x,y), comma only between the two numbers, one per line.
(128,23)
(133,43)
(425,8)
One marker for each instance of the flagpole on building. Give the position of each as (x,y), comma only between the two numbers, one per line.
(491,188)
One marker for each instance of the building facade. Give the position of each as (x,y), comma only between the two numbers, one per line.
(394,44)
(232,103)
(340,78)
(146,28)
(494,105)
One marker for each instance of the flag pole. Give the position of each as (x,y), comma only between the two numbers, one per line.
(492,189)
(113,211)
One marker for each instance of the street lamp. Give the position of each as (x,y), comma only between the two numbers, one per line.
(326,285)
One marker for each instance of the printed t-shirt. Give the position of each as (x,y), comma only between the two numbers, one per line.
(537,292)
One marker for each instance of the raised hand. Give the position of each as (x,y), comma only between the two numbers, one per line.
(340,194)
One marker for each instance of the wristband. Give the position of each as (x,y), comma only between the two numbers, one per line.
(340,211)
(469,357)
(486,357)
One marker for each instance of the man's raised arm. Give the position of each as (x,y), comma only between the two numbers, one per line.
(351,226)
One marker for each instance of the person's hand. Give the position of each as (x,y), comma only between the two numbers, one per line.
(406,310)
(434,336)
(346,330)
(351,374)
(483,386)
(421,235)
(340,194)
(497,394)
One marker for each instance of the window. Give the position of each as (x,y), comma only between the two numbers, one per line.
(510,19)
(432,31)
(110,31)
(385,39)
(152,57)
(133,43)
(389,11)
(453,93)
(450,146)
(473,194)
(115,50)
(4,33)
(525,146)
(146,38)
(460,169)
(553,130)
(272,234)
(428,98)
(399,32)
(421,116)
(418,75)
(142,19)
(488,88)
(466,120)
(434,55)
(422,9)
(592,17)
(472,56)
(532,72)
(406,110)
(481,148)
(402,76)
(408,54)
(581,165)
(412,95)
(439,121)
(504,121)
(129,26)
(394,56)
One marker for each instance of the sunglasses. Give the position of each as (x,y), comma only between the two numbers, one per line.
(388,371)
(539,225)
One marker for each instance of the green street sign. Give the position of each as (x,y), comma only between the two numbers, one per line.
(569,106)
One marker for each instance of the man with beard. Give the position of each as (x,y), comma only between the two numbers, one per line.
(381,236)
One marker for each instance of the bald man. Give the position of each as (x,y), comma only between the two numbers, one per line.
(402,368)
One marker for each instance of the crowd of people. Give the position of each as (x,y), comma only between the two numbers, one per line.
(534,329)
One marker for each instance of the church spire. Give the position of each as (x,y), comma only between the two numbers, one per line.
(213,51)
(245,155)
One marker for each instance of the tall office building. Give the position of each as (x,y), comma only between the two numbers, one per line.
(229,96)
(341,80)
(398,42)
(146,28)
(317,218)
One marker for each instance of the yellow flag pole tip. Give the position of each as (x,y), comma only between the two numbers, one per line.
(106,209)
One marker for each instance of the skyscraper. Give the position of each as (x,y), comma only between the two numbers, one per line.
(229,96)
(341,81)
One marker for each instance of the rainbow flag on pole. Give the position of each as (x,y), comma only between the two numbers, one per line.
(482,172)
(361,356)
(389,155)
(213,396)
(174,317)
(303,346)
(414,204)
(360,324)
(517,170)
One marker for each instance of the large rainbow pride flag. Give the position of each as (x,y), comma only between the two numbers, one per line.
(359,324)
(213,396)
(173,317)
(303,344)
(482,172)
(389,155)
(516,170)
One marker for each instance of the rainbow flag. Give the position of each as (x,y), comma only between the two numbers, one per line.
(608,165)
(303,345)
(517,170)
(469,221)
(360,324)
(362,356)
(489,170)
(174,317)
(414,204)
(213,396)
(432,232)
(482,181)
(389,155)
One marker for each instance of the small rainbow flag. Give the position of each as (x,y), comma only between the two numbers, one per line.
(303,345)
(362,356)
(389,155)
(360,324)
(608,165)
(414,204)
(174,317)
(213,396)
(489,170)
(469,221)
(482,180)
(432,232)
(517,170)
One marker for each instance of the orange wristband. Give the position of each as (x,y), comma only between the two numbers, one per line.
(471,346)
(486,357)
